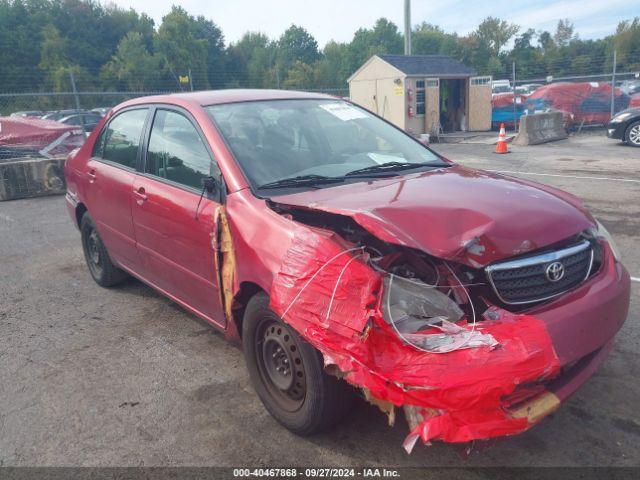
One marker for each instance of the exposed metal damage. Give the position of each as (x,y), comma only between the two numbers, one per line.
(222,243)
(411,331)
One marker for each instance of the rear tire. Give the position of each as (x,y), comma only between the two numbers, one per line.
(632,134)
(102,269)
(287,373)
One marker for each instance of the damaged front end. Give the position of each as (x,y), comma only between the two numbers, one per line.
(413,331)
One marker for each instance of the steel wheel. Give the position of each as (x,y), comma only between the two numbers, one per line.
(103,271)
(94,259)
(280,365)
(288,373)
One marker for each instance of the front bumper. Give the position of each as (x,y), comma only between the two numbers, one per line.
(616,130)
(543,356)
(582,326)
(587,318)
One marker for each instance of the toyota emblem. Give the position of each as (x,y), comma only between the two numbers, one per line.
(555,272)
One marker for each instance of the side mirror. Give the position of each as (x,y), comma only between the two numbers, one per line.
(209,184)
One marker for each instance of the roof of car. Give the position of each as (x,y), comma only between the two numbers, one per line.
(213,97)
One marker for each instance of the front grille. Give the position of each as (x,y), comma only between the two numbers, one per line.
(529,279)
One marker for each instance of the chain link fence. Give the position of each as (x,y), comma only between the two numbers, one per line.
(23,135)
(42,102)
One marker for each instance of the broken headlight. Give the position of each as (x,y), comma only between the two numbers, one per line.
(412,307)
(424,317)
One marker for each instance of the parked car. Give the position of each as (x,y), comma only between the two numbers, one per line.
(56,115)
(34,137)
(88,121)
(501,86)
(28,114)
(625,126)
(580,102)
(630,87)
(528,88)
(341,252)
(102,111)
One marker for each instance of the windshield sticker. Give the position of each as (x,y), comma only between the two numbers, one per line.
(343,111)
(380,158)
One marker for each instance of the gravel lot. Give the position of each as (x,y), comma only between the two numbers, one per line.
(124,377)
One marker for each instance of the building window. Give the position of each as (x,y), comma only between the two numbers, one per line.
(434,82)
(420,98)
(480,80)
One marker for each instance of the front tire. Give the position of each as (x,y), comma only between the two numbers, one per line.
(632,134)
(102,269)
(288,375)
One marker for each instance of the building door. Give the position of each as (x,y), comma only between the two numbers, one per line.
(479,105)
(432,105)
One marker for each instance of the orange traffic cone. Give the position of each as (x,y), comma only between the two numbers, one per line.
(501,146)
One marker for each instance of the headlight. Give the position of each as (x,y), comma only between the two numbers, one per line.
(424,317)
(603,233)
(621,117)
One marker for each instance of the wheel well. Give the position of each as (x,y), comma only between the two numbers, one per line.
(240,301)
(80,211)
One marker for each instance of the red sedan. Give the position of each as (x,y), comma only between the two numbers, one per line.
(348,257)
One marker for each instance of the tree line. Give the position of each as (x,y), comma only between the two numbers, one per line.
(113,49)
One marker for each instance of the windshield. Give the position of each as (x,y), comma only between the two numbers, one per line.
(310,140)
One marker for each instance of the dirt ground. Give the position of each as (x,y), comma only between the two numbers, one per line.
(124,377)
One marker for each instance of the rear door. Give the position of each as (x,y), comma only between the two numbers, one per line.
(110,173)
(173,221)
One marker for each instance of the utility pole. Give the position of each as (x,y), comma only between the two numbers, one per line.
(613,84)
(190,81)
(407,27)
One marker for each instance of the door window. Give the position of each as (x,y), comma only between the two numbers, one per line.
(120,140)
(176,151)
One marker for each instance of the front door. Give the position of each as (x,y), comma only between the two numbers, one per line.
(432,107)
(173,222)
(111,172)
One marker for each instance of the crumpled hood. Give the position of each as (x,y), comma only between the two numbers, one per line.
(470,216)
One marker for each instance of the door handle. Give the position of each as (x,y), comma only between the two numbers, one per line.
(91,174)
(141,196)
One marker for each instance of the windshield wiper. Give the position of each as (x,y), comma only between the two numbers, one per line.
(393,167)
(302,181)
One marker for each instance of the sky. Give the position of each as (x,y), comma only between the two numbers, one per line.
(339,19)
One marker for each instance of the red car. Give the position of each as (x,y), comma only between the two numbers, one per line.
(343,253)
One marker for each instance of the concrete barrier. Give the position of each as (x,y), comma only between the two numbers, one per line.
(540,128)
(31,177)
